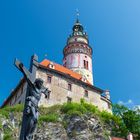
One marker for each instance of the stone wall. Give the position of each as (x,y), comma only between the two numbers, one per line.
(19,95)
(105,105)
(60,93)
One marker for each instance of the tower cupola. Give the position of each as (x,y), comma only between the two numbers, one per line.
(77,28)
(78,53)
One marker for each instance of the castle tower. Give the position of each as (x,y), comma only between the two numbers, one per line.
(78,53)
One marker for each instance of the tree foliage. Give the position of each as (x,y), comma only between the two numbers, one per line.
(129,121)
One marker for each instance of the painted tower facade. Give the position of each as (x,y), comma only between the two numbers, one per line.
(78,53)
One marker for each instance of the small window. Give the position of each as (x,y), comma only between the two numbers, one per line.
(69,86)
(49,79)
(69,100)
(85,64)
(47,96)
(86,93)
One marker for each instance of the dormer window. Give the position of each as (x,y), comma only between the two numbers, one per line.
(84,79)
(51,65)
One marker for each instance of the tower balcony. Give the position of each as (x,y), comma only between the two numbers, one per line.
(77,48)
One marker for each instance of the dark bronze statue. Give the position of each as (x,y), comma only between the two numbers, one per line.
(36,88)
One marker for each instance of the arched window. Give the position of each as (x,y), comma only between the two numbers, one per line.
(69,87)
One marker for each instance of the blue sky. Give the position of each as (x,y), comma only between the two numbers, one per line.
(42,27)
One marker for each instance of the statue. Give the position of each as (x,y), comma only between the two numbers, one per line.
(31,102)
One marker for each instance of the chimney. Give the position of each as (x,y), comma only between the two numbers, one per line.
(130,136)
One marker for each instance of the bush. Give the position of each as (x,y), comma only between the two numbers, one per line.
(105,116)
(1,125)
(74,113)
(51,109)
(73,107)
(15,108)
(80,108)
(48,118)
(90,108)
(4,113)
(7,137)
(6,110)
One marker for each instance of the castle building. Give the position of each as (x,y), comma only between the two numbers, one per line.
(71,81)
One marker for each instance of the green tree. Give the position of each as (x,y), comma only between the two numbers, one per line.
(119,110)
(129,121)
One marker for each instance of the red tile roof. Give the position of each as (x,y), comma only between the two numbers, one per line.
(63,69)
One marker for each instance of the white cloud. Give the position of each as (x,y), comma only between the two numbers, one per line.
(120,102)
(129,102)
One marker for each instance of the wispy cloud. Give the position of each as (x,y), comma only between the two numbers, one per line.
(129,102)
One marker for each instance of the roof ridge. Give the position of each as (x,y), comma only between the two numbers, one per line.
(61,66)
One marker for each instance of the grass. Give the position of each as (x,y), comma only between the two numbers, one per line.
(69,107)
(8,136)
(51,109)
(57,112)
(79,108)
(54,112)
(48,118)
(6,110)
(16,108)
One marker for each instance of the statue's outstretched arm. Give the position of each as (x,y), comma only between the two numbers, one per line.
(26,74)
(46,92)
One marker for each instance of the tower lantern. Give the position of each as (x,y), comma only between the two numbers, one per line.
(78,53)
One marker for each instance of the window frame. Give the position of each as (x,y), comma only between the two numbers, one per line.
(49,79)
(86,93)
(69,87)
(86,65)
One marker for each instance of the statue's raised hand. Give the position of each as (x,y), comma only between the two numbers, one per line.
(21,65)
